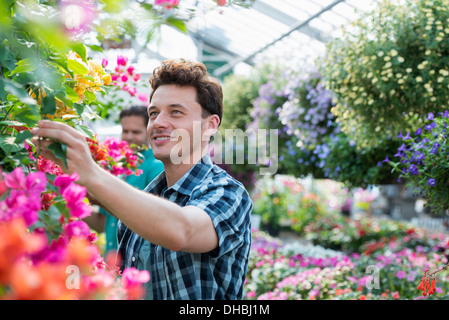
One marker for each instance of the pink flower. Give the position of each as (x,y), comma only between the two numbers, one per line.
(130,70)
(104,62)
(401,274)
(77,229)
(16,179)
(74,195)
(136,77)
(122,60)
(167,4)
(221,3)
(64,180)
(132,91)
(142,97)
(132,277)
(124,78)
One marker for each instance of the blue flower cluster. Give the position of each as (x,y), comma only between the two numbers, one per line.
(424,159)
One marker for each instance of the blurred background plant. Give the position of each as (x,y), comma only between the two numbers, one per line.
(422,161)
(389,68)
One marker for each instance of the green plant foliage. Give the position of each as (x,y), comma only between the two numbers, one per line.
(390,66)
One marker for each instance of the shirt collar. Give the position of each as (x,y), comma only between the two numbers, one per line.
(187,182)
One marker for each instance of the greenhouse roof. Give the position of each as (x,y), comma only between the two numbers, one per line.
(226,37)
(233,38)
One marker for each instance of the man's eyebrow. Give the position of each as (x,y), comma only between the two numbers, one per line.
(173,105)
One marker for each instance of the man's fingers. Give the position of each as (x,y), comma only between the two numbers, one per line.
(57,131)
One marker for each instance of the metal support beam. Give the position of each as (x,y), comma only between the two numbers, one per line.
(298,25)
(288,20)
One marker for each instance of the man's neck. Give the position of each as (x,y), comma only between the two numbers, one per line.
(174,172)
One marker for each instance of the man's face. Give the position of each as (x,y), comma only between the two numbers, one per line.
(174,112)
(134,130)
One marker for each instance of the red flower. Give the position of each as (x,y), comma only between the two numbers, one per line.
(427,284)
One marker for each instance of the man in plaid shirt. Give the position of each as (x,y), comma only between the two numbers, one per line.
(190,228)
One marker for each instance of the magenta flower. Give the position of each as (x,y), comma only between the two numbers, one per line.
(122,60)
(77,229)
(124,78)
(132,91)
(16,179)
(74,195)
(401,274)
(24,199)
(132,277)
(130,70)
(167,4)
(142,97)
(64,180)
(104,62)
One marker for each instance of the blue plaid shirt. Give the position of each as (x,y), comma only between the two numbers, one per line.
(218,274)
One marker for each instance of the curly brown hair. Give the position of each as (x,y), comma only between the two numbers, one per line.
(190,73)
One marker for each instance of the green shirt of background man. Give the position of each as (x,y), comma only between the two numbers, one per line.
(151,168)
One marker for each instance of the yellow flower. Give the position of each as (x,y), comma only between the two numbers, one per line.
(107,79)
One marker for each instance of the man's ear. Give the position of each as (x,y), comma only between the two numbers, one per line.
(212,125)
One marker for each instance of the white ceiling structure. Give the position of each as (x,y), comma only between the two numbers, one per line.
(234,38)
(267,29)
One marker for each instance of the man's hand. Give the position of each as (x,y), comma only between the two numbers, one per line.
(79,158)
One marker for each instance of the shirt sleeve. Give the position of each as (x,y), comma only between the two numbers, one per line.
(229,206)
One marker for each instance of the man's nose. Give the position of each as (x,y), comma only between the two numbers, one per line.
(160,121)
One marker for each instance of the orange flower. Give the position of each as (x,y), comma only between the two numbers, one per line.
(41,282)
(15,242)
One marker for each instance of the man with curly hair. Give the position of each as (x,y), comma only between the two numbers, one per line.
(190,228)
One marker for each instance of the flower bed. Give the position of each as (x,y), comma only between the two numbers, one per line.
(384,270)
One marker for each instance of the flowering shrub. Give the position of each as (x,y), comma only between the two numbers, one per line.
(275,200)
(116,156)
(344,233)
(306,113)
(127,88)
(310,140)
(44,241)
(388,70)
(301,271)
(423,161)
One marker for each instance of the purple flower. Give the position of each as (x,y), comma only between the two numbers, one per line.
(418,132)
(401,274)
(431,182)
(430,116)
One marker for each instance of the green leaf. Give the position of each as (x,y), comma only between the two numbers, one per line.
(15,89)
(25,65)
(76,67)
(90,96)
(22,136)
(8,144)
(95,47)
(28,115)
(11,123)
(71,94)
(79,48)
(178,24)
(59,151)
(85,130)
(48,105)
